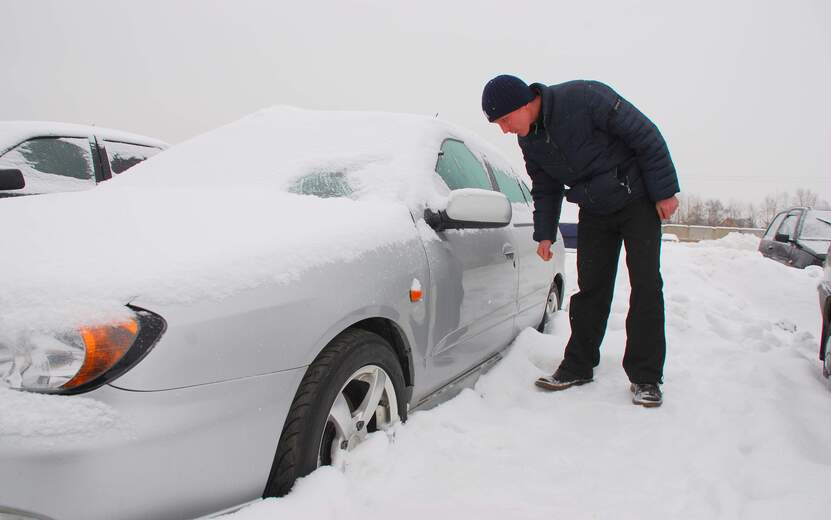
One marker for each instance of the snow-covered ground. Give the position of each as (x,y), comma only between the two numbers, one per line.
(743,433)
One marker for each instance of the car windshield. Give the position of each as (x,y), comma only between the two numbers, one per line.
(817,226)
(323,185)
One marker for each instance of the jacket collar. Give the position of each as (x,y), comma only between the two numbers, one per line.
(547,102)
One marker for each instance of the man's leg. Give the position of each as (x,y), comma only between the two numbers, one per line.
(598,251)
(645,338)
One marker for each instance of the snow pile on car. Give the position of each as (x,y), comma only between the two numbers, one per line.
(383,156)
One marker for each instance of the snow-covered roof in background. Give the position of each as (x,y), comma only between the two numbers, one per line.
(13,133)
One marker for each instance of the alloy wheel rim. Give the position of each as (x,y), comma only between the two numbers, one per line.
(366,403)
(550,309)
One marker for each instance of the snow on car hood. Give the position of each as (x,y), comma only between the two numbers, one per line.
(216,215)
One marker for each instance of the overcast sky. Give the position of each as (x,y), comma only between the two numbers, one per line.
(741,90)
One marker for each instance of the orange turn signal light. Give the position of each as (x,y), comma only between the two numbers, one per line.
(416,292)
(105,346)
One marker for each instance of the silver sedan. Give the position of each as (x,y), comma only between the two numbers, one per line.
(211,399)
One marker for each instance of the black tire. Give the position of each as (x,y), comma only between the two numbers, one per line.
(300,446)
(552,293)
(825,351)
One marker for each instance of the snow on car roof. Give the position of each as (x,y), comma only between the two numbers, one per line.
(13,133)
(188,223)
(278,145)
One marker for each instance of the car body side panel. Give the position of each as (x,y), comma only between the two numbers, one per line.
(283,326)
(535,275)
(189,452)
(474,284)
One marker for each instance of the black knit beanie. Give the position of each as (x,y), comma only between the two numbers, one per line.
(504,94)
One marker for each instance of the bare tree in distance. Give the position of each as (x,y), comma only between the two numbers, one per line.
(714,211)
(805,197)
(694,211)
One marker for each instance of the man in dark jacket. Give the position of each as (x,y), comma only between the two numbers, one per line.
(582,140)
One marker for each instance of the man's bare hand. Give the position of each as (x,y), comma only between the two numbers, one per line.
(544,250)
(666,207)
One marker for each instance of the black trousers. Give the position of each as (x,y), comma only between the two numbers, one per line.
(599,238)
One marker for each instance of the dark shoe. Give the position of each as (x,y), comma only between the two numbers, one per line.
(646,394)
(561,380)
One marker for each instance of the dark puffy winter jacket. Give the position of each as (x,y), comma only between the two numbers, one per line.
(598,144)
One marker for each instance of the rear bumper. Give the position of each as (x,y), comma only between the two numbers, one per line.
(170,454)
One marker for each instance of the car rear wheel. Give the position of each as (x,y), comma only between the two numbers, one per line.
(826,362)
(552,305)
(353,388)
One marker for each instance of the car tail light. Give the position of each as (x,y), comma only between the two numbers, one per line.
(79,360)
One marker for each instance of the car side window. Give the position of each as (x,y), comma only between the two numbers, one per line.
(525,191)
(52,163)
(774,225)
(125,155)
(508,185)
(459,168)
(788,226)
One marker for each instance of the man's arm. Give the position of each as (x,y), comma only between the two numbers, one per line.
(548,200)
(616,116)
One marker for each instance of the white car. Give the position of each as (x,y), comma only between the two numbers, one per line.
(47,157)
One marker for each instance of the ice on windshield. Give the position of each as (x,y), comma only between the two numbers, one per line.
(323,185)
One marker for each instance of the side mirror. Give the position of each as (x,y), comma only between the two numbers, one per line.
(11,180)
(782,237)
(471,208)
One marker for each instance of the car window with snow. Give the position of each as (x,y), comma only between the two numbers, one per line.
(52,164)
(508,185)
(125,155)
(774,225)
(789,225)
(323,184)
(460,168)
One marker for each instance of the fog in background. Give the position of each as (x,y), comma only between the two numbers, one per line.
(739,89)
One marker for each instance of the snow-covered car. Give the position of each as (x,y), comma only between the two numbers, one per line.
(824,289)
(256,302)
(48,157)
(798,237)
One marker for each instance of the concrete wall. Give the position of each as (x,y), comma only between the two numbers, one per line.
(696,233)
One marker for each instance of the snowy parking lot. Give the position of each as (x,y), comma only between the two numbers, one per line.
(743,432)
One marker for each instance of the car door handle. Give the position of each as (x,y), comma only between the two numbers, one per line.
(508,251)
